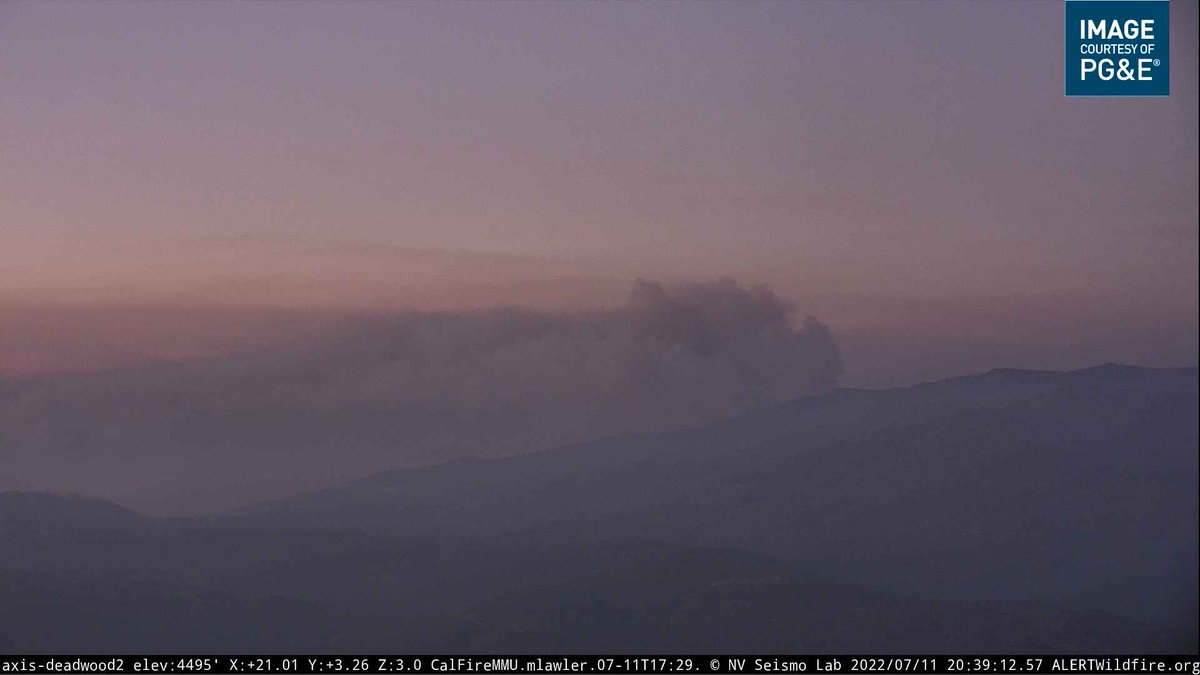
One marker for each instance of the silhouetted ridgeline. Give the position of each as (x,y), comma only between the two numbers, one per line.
(1009,511)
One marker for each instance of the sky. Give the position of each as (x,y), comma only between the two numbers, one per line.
(191,179)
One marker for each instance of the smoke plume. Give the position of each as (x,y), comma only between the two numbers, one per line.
(415,388)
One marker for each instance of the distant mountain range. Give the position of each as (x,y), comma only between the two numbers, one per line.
(1010,511)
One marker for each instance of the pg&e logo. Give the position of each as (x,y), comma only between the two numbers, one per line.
(1117,48)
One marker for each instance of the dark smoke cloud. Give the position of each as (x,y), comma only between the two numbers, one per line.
(419,387)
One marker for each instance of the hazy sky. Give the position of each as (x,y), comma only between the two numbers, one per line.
(187,178)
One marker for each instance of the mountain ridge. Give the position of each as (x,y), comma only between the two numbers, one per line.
(804,402)
(1046,472)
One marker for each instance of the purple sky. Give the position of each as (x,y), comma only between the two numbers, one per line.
(177,177)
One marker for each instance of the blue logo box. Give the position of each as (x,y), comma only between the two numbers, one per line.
(1117,48)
